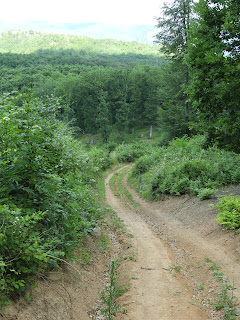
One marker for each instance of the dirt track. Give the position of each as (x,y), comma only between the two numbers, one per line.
(178,232)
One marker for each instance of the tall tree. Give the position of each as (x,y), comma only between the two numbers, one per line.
(173,36)
(102,120)
(171,115)
(123,114)
(174,27)
(213,56)
(138,95)
(153,80)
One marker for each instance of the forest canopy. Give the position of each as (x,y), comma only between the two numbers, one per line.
(104,85)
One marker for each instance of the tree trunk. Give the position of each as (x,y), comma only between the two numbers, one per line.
(186,110)
(92,139)
(187,27)
(151,132)
(186,103)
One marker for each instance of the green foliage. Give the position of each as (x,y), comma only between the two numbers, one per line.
(206,193)
(171,114)
(50,64)
(213,58)
(100,86)
(103,118)
(24,245)
(174,27)
(229,212)
(228,303)
(185,167)
(98,96)
(46,201)
(131,152)
(99,159)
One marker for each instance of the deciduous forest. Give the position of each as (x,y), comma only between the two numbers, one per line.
(73,107)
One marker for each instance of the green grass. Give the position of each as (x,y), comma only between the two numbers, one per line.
(100,183)
(114,222)
(116,184)
(131,201)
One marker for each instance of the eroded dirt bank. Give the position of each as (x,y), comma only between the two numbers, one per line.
(72,292)
(177,233)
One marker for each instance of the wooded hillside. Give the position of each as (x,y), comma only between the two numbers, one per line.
(104,85)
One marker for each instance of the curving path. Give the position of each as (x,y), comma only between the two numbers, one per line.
(155,293)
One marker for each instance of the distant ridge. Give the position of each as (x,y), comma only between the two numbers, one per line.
(75,49)
(139,33)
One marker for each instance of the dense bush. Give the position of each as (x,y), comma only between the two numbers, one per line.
(185,167)
(229,212)
(100,158)
(46,201)
(131,152)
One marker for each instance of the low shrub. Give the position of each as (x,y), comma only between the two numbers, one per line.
(131,152)
(185,167)
(206,193)
(24,245)
(229,212)
(144,163)
(100,159)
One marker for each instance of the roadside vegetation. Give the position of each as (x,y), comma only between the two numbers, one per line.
(47,202)
(229,212)
(227,301)
(185,167)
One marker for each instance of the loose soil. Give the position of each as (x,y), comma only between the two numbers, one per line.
(168,256)
(71,293)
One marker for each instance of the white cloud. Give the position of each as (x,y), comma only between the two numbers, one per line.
(108,11)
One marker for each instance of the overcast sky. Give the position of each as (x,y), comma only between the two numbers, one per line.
(107,11)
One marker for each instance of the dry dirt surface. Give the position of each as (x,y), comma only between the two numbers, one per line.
(181,253)
(72,292)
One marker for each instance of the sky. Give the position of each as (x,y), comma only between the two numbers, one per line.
(127,12)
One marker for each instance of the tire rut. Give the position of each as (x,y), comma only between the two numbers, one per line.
(155,293)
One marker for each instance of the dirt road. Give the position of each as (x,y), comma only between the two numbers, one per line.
(181,256)
(176,259)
